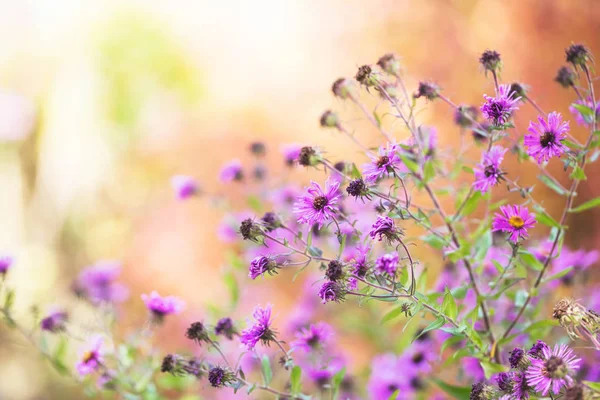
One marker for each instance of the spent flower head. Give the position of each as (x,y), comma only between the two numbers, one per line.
(566,77)
(578,55)
(225,328)
(491,61)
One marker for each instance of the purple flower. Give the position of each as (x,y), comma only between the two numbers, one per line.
(317,206)
(387,161)
(261,330)
(537,350)
(98,283)
(91,358)
(316,336)
(384,228)
(554,370)
(488,172)
(420,355)
(184,186)
(387,263)
(261,265)
(520,388)
(331,291)
(5,263)
(579,117)
(291,152)
(225,327)
(545,139)
(499,109)
(514,220)
(232,171)
(55,321)
(360,261)
(516,358)
(388,374)
(161,306)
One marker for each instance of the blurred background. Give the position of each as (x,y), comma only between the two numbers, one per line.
(102,102)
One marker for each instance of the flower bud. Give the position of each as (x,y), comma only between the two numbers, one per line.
(517,90)
(308,157)
(329,119)
(219,376)
(390,63)
(366,76)
(465,115)
(225,328)
(198,333)
(271,221)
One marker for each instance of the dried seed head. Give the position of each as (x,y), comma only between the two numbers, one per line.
(566,77)
(329,119)
(390,63)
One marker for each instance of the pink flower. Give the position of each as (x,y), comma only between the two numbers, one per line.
(91,357)
(514,220)
(545,140)
(161,306)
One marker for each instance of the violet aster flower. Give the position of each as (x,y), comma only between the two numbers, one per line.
(332,291)
(419,356)
(387,264)
(520,388)
(262,265)
(360,261)
(517,358)
(545,139)
(514,220)
(386,162)
(261,330)
(554,370)
(318,205)
(585,119)
(537,350)
(384,228)
(499,109)
(232,171)
(488,172)
(5,263)
(162,306)
(98,283)
(388,374)
(316,336)
(184,186)
(220,376)
(225,327)
(91,358)
(55,321)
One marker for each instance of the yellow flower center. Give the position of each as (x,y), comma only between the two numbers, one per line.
(88,356)
(516,222)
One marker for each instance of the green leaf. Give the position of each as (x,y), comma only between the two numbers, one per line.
(543,217)
(410,164)
(232,284)
(449,306)
(578,174)
(336,381)
(437,324)
(315,251)
(396,312)
(530,260)
(490,368)
(586,112)
(472,202)
(394,396)
(457,392)
(550,183)
(435,241)
(296,379)
(595,386)
(587,205)
(428,171)
(267,372)
(558,275)
(254,203)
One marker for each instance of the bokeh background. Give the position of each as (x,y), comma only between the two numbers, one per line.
(102,102)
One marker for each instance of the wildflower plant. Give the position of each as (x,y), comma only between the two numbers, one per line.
(353,235)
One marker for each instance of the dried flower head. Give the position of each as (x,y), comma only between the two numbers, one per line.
(308,157)
(220,376)
(365,76)
(578,321)
(491,61)
(429,90)
(271,221)
(566,77)
(343,88)
(225,328)
(251,231)
(335,271)
(198,333)
(358,188)
(481,391)
(518,90)
(578,55)
(258,149)
(465,115)
(390,63)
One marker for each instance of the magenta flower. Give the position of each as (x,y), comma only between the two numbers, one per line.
(317,206)
(488,172)
(580,118)
(91,358)
(387,264)
(554,370)
(261,330)
(520,388)
(55,321)
(384,228)
(232,171)
(184,186)
(388,374)
(316,336)
(261,265)
(514,220)
(331,291)
(545,139)
(5,263)
(498,110)
(162,306)
(360,261)
(386,162)
(98,283)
